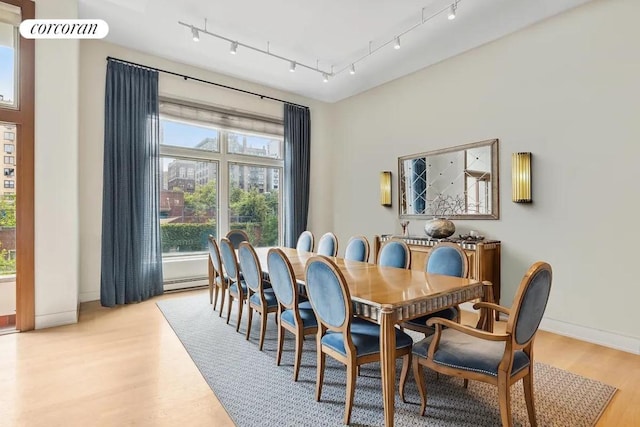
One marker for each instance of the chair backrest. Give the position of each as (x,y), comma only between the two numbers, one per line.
(529,304)
(395,253)
(328,294)
(283,279)
(214,255)
(236,237)
(328,245)
(229,259)
(357,249)
(448,259)
(250,267)
(305,241)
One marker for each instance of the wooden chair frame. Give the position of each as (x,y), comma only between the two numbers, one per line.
(351,360)
(217,280)
(330,235)
(239,295)
(503,380)
(366,244)
(406,248)
(299,331)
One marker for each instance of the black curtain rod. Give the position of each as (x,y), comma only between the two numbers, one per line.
(184,76)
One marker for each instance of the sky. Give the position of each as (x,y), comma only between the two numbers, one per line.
(6,72)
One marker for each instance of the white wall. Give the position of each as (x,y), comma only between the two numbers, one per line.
(568,90)
(92,82)
(56,172)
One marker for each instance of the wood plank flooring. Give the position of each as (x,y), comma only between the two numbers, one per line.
(125,366)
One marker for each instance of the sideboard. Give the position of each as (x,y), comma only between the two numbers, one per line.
(484,256)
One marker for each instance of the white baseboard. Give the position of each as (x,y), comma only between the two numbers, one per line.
(595,336)
(89,296)
(56,319)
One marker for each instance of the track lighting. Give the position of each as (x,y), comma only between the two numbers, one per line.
(234,48)
(352,69)
(452,11)
(196,34)
(292,66)
(325,77)
(397,43)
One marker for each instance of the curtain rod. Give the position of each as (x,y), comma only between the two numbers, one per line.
(186,77)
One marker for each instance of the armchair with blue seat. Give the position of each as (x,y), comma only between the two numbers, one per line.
(395,253)
(448,259)
(236,237)
(328,245)
(217,279)
(494,358)
(305,241)
(259,298)
(294,315)
(236,286)
(347,339)
(357,249)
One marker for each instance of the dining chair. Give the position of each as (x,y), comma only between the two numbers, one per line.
(236,286)
(259,298)
(217,279)
(350,340)
(394,253)
(494,358)
(293,315)
(236,237)
(448,259)
(328,245)
(357,249)
(305,241)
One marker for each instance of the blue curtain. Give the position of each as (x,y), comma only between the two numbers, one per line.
(297,139)
(131,251)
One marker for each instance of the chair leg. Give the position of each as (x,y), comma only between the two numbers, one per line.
(263,327)
(215,297)
(223,295)
(466,383)
(249,322)
(280,342)
(296,365)
(351,388)
(406,362)
(211,285)
(504,396)
(418,374)
(321,360)
(527,382)
(229,302)
(240,304)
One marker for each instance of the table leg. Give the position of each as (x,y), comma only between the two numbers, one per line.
(388,363)
(485,322)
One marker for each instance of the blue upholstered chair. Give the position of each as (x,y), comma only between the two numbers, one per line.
(357,249)
(259,298)
(499,359)
(328,245)
(237,287)
(348,339)
(394,253)
(236,237)
(295,316)
(448,259)
(217,279)
(305,241)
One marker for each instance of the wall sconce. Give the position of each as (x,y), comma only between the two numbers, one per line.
(385,188)
(521,177)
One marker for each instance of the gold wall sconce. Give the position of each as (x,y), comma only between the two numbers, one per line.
(385,188)
(521,177)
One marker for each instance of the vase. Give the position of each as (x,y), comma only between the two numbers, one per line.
(439,228)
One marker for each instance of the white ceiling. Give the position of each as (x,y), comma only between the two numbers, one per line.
(332,32)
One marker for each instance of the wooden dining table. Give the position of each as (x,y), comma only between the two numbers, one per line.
(388,296)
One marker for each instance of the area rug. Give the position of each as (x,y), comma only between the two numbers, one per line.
(256,392)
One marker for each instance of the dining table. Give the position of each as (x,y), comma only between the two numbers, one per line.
(388,296)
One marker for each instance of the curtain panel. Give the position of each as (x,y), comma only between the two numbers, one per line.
(297,150)
(131,252)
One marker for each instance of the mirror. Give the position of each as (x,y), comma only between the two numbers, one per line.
(458,182)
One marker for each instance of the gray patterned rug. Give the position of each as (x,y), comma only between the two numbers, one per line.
(256,392)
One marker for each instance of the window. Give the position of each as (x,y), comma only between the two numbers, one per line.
(9,184)
(9,160)
(8,148)
(10,17)
(203,147)
(9,171)
(9,136)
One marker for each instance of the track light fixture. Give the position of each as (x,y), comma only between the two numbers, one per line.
(450,12)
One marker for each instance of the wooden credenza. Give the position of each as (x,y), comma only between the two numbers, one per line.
(484,256)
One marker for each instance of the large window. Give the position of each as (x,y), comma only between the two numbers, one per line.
(221,170)
(9,21)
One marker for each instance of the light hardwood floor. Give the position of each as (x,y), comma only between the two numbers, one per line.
(125,366)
